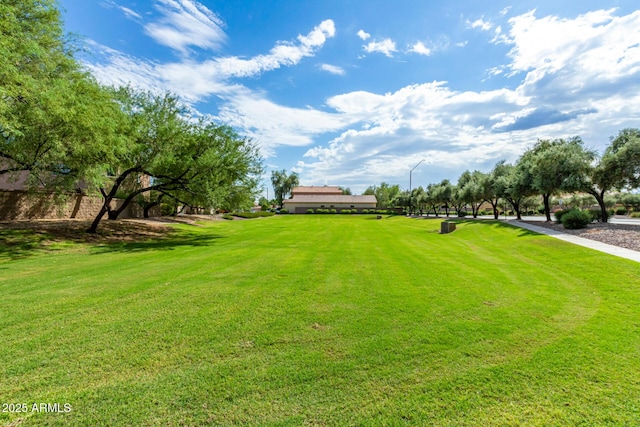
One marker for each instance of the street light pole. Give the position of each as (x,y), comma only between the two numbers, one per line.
(410,196)
(411,172)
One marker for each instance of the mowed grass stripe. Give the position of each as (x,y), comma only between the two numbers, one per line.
(332,320)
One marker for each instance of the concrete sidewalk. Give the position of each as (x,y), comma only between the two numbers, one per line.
(592,244)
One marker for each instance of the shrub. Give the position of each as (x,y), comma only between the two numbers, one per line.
(462,214)
(574,219)
(310,211)
(621,211)
(284,211)
(559,214)
(596,214)
(345,211)
(365,211)
(227,216)
(333,211)
(635,215)
(252,214)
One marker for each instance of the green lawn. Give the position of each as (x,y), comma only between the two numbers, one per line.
(321,320)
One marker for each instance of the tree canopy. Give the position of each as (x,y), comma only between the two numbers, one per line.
(164,150)
(385,193)
(56,121)
(283,183)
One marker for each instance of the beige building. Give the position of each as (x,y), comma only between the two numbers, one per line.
(326,197)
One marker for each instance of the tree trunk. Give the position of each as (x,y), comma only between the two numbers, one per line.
(516,207)
(474,209)
(547,210)
(152,205)
(107,199)
(599,196)
(96,221)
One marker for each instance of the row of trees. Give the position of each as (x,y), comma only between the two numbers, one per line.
(72,134)
(550,167)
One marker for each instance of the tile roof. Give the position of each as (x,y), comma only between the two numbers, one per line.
(326,189)
(330,199)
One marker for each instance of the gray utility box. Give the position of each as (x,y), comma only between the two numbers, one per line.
(447,227)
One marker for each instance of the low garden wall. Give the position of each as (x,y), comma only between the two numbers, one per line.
(18,204)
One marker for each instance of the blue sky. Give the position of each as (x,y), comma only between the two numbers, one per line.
(354,93)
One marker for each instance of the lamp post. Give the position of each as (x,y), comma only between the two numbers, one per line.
(411,172)
(410,195)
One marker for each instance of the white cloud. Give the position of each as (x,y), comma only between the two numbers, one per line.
(332,69)
(129,13)
(598,44)
(197,80)
(587,82)
(363,35)
(480,23)
(386,47)
(273,125)
(186,23)
(419,48)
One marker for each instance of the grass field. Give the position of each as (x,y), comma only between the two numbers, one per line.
(320,320)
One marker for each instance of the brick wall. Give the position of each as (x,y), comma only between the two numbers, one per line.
(25,205)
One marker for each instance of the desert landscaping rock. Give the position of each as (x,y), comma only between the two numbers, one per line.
(621,235)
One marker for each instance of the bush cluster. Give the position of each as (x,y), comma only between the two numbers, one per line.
(596,214)
(560,213)
(575,219)
(378,211)
(284,211)
(621,211)
(227,216)
(250,214)
(635,215)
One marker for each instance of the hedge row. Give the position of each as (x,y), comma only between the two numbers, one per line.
(350,211)
(248,214)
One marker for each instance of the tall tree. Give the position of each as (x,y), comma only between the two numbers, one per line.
(55,121)
(283,183)
(517,186)
(618,168)
(345,190)
(197,163)
(385,193)
(472,189)
(556,165)
(495,185)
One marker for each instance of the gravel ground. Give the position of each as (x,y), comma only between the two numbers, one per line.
(622,235)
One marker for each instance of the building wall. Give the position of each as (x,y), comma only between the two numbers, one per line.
(302,207)
(24,205)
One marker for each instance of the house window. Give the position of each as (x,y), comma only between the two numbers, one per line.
(322,206)
(332,206)
(352,206)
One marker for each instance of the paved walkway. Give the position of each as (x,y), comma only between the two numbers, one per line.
(592,244)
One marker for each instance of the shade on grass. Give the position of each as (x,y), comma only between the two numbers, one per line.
(325,320)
